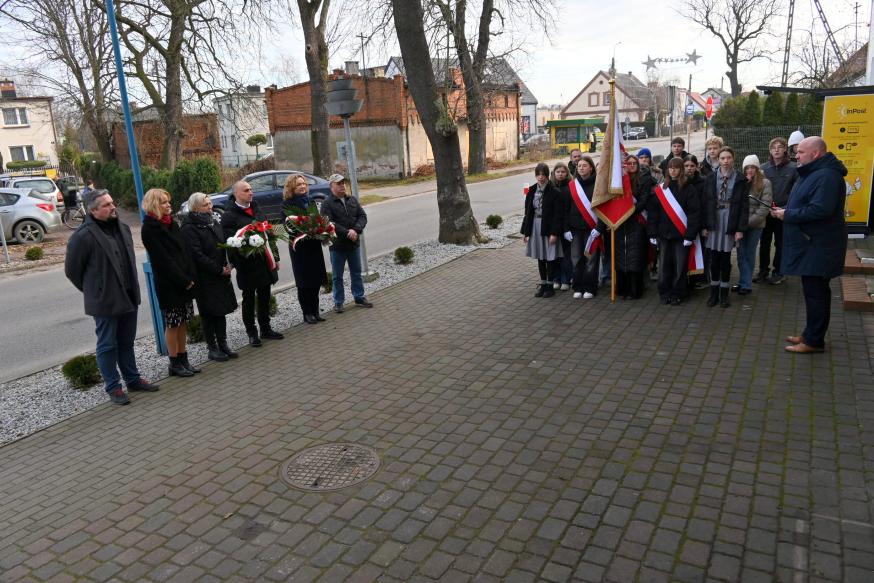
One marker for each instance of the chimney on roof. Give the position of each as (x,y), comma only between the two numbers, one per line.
(352,68)
(253,89)
(7,89)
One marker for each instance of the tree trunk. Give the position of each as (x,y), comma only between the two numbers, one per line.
(316,56)
(476,124)
(174,131)
(457,222)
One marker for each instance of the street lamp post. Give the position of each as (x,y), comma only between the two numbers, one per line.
(157,318)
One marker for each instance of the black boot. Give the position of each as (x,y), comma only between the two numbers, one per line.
(540,291)
(549,291)
(723,297)
(215,353)
(183,358)
(177,369)
(223,346)
(714,296)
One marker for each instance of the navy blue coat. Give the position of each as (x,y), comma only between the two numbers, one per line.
(815,233)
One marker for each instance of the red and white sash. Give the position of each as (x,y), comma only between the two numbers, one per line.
(583,203)
(678,217)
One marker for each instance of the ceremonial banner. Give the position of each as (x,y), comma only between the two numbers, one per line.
(612,200)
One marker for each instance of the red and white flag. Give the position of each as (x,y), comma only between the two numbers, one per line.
(678,217)
(613,199)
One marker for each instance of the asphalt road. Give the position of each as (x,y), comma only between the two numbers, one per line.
(41,314)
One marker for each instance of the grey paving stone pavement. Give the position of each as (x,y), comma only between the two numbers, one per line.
(520,439)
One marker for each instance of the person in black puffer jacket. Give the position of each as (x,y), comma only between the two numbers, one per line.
(542,227)
(212,286)
(577,231)
(174,273)
(693,171)
(632,246)
(674,244)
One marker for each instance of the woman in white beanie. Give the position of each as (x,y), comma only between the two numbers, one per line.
(760,188)
(794,139)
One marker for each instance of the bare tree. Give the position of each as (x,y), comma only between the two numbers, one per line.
(457,222)
(314,20)
(816,64)
(473,57)
(740,25)
(70,54)
(179,47)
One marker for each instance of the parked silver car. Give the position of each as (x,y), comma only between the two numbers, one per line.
(43,184)
(28,215)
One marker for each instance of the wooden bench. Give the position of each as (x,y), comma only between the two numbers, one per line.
(855,292)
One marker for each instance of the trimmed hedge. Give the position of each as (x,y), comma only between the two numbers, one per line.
(201,175)
(34,253)
(81,371)
(25,164)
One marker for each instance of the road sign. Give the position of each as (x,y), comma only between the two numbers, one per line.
(708,112)
(690,109)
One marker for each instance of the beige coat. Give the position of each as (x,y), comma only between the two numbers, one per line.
(758,213)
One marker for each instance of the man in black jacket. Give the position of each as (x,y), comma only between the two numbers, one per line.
(349,219)
(782,173)
(101,263)
(254,276)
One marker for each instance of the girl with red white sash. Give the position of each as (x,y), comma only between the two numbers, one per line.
(673,222)
(582,230)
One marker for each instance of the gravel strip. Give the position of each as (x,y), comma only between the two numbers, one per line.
(36,401)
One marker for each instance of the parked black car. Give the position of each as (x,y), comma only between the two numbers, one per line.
(635,133)
(267,188)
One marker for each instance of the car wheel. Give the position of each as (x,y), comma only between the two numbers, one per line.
(29,232)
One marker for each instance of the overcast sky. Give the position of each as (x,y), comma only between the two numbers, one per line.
(584,37)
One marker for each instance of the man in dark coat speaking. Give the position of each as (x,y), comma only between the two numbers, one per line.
(814,237)
(101,263)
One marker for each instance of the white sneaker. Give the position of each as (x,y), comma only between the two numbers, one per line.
(577,295)
(588,296)
(556,285)
(565,287)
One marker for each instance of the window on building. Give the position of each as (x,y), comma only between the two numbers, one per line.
(606,100)
(15,116)
(21,153)
(593,100)
(506,101)
(269,140)
(233,143)
(567,135)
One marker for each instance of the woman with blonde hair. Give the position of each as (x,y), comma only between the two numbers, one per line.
(760,201)
(212,285)
(174,273)
(307,260)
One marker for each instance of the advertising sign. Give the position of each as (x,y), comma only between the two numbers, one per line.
(848,129)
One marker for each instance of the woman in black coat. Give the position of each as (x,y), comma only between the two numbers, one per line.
(727,214)
(577,231)
(541,227)
(212,286)
(632,246)
(691,169)
(307,260)
(174,273)
(674,242)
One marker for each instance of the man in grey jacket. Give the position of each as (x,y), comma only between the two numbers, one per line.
(101,264)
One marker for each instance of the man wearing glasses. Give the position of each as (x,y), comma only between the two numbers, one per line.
(254,275)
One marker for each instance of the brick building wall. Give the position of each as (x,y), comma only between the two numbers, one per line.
(201,140)
(390,140)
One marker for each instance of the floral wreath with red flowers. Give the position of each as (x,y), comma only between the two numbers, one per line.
(309,225)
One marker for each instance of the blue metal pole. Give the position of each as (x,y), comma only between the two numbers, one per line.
(157,318)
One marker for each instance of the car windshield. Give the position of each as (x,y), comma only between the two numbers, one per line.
(44,186)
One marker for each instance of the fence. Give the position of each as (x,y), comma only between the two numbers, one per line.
(746,141)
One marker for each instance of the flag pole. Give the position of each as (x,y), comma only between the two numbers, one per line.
(612,230)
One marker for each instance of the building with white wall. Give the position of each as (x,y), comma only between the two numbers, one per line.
(27,127)
(240,116)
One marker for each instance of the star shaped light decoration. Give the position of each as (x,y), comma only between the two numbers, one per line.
(692,57)
(650,63)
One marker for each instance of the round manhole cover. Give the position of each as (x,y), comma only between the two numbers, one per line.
(330,467)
